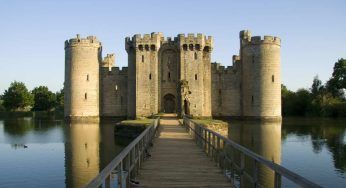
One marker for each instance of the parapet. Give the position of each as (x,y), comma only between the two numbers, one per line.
(108,61)
(152,40)
(245,34)
(200,39)
(235,58)
(218,68)
(90,41)
(257,40)
(113,72)
(247,39)
(153,37)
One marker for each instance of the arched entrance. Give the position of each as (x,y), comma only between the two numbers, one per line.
(169,103)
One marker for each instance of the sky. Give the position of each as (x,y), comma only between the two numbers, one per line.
(313,32)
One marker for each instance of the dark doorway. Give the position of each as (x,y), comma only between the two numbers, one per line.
(169,103)
(186,107)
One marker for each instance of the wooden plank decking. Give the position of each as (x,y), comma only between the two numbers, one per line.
(176,161)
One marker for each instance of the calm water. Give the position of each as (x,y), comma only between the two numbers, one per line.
(57,154)
(313,148)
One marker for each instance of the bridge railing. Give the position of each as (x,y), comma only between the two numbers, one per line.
(231,158)
(125,165)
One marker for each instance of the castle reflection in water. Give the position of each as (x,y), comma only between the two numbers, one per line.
(89,147)
(71,154)
(261,137)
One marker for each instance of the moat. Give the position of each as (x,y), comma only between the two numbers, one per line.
(46,152)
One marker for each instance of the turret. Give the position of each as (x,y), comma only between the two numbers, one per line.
(143,62)
(82,61)
(261,77)
(108,61)
(195,68)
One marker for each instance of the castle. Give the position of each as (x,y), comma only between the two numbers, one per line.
(173,75)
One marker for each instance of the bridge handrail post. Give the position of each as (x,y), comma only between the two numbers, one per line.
(218,151)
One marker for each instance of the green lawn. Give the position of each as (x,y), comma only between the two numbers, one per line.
(138,122)
(208,122)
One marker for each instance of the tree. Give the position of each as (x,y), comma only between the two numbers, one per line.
(60,99)
(339,73)
(17,97)
(301,102)
(2,108)
(337,83)
(316,87)
(285,96)
(44,100)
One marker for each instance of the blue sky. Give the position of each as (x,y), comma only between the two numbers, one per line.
(33,32)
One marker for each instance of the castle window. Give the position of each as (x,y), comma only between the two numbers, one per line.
(142,58)
(195,76)
(252,99)
(219,91)
(87,77)
(206,49)
(191,47)
(146,47)
(185,47)
(85,96)
(116,87)
(198,47)
(195,56)
(150,76)
(152,47)
(169,75)
(272,78)
(140,47)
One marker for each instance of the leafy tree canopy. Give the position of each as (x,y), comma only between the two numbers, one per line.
(44,99)
(17,97)
(337,83)
(60,99)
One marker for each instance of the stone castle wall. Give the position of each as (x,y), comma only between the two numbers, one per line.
(157,67)
(82,59)
(225,95)
(261,76)
(143,65)
(113,92)
(159,64)
(113,88)
(195,57)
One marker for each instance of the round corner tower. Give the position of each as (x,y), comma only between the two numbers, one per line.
(261,76)
(82,61)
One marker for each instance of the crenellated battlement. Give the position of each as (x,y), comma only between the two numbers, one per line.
(118,70)
(218,68)
(257,40)
(108,61)
(147,38)
(235,58)
(151,42)
(148,42)
(247,39)
(199,39)
(89,41)
(115,70)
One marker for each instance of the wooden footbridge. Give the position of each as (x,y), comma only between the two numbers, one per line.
(186,154)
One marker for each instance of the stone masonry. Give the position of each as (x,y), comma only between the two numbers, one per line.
(173,75)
